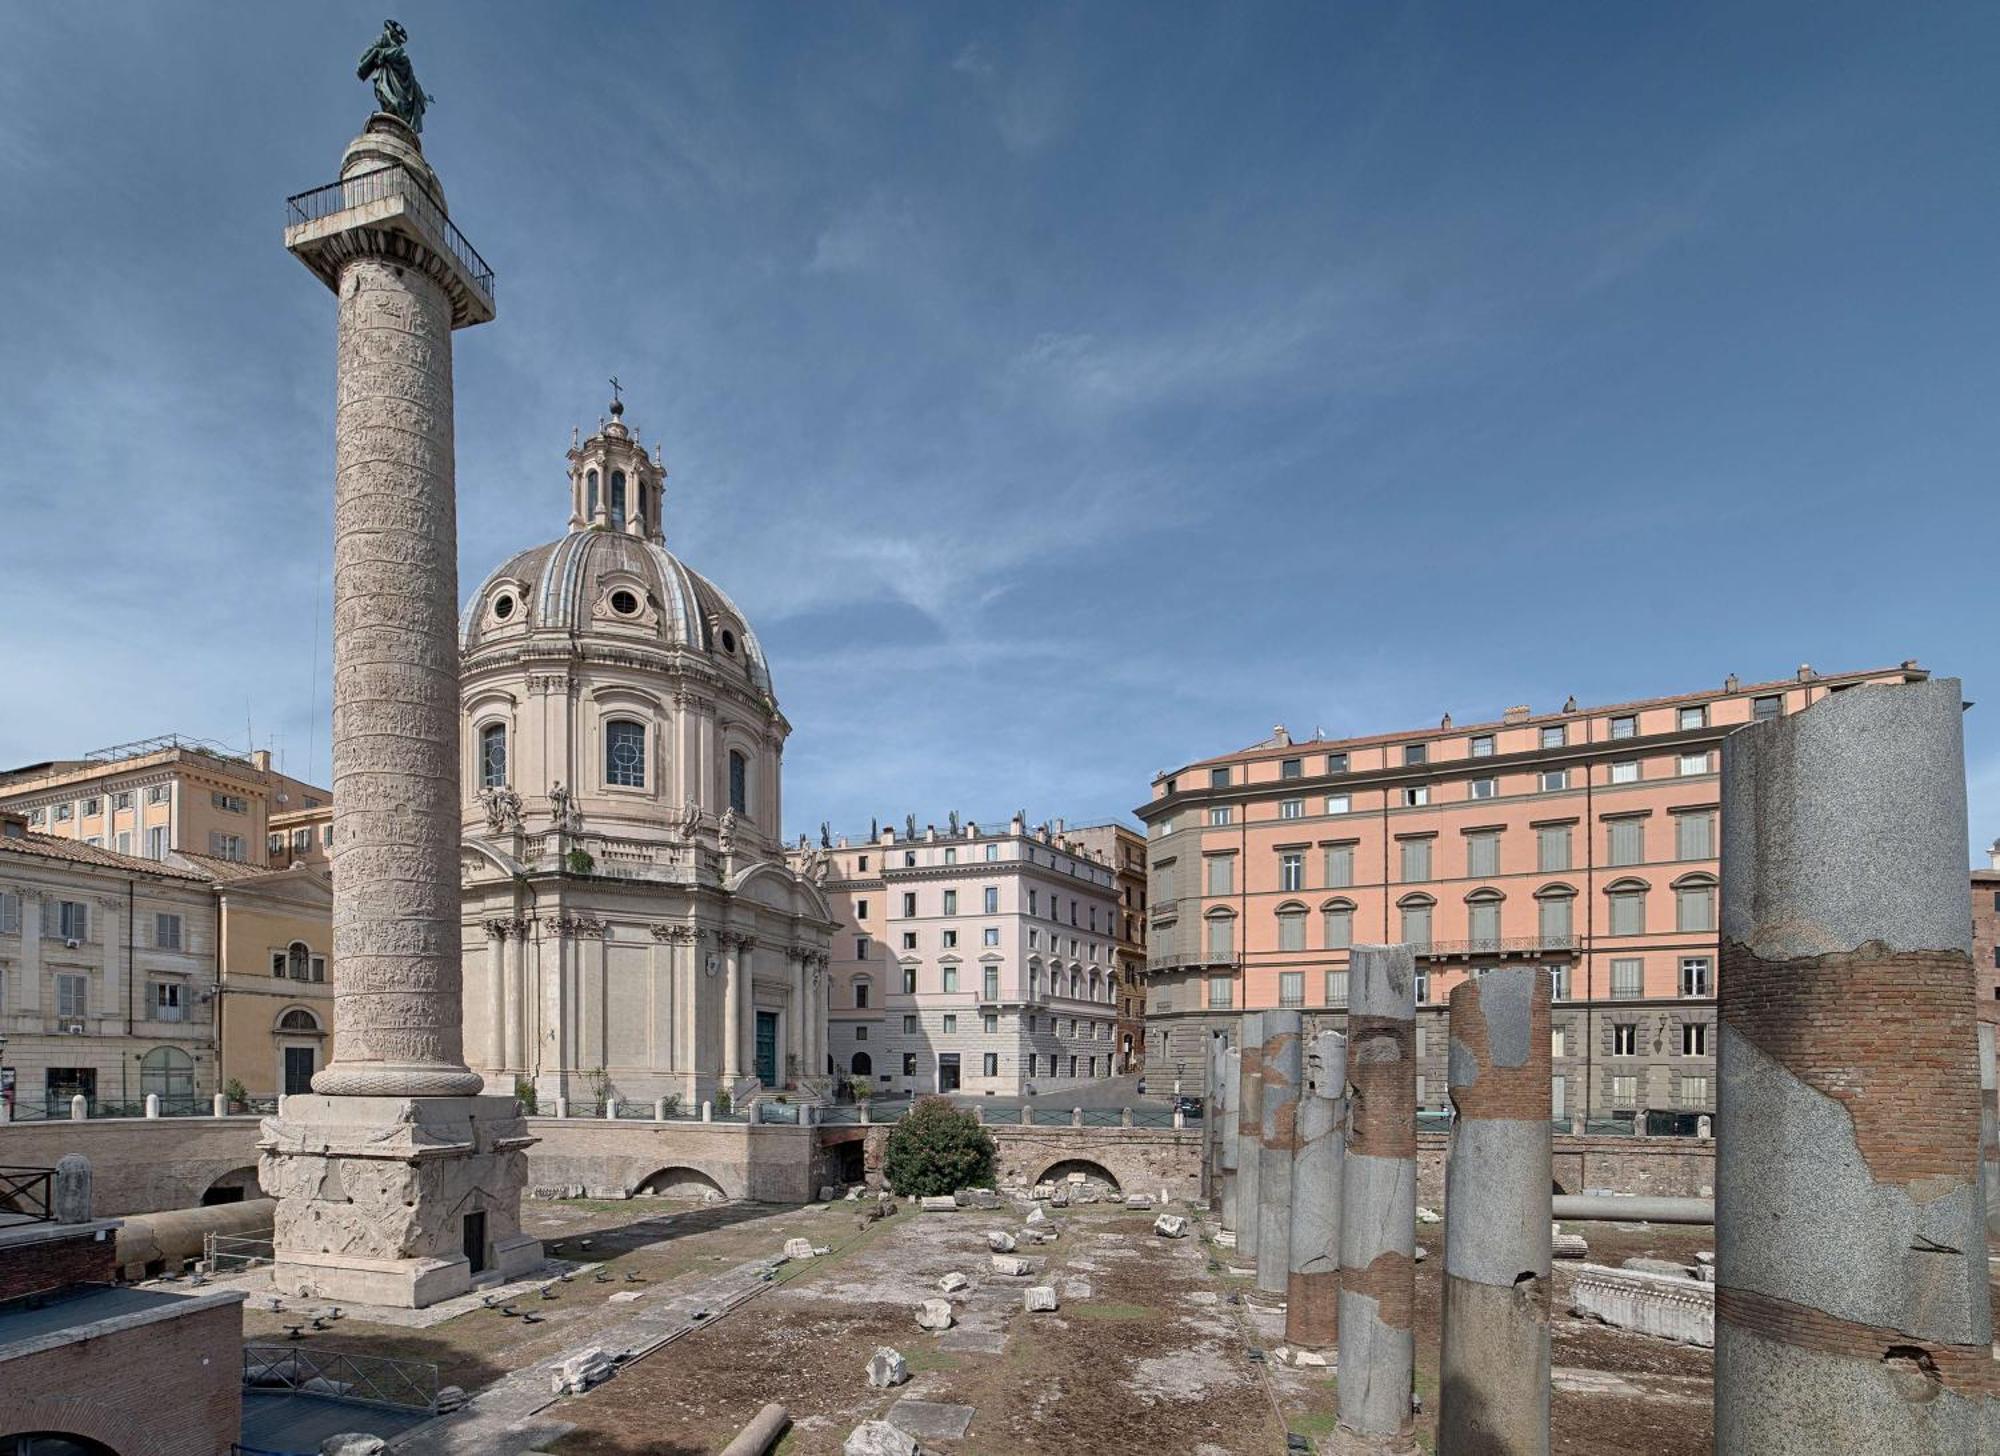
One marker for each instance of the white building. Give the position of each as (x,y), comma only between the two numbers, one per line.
(969,960)
(631,925)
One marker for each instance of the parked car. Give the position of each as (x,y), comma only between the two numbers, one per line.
(1189,1108)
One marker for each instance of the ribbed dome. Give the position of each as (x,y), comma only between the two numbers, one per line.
(575,586)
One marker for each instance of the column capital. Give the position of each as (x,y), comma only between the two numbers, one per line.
(577,926)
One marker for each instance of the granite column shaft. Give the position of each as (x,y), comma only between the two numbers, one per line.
(1852,1306)
(1378,1206)
(1282,1062)
(1494,1376)
(1312,1297)
(1249,1134)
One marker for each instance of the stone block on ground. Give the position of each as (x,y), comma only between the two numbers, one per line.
(1010,1265)
(798,1249)
(1672,1307)
(1659,1266)
(953,1282)
(934,1314)
(1428,1215)
(1039,1300)
(1309,1357)
(943,1203)
(1037,1216)
(1000,1241)
(578,1372)
(879,1438)
(931,1420)
(353,1443)
(1170,1226)
(1139,1202)
(828,1193)
(887,1367)
(1569,1246)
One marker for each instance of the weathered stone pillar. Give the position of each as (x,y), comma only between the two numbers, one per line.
(496,995)
(1225,1117)
(1378,1205)
(1852,1311)
(1989,1126)
(517,999)
(72,1195)
(1249,1133)
(1282,1062)
(732,1012)
(396,1182)
(1494,1379)
(1312,1299)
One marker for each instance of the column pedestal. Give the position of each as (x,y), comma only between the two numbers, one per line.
(378,1197)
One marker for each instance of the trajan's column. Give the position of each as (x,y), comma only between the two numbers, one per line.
(397,1183)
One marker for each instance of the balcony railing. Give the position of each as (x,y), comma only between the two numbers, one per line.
(1498,945)
(393,180)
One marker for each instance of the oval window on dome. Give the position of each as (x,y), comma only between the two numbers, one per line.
(728,640)
(503,606)
(624,603)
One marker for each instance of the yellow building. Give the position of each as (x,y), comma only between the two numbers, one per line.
(151,798)
(274,980)
(301,837)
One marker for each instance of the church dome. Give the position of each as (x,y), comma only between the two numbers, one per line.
(610,578)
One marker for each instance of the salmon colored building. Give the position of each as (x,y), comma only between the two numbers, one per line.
(1584,841)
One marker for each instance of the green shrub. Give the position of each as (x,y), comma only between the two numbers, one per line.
(938,1148)
(524,1093)
(580,861)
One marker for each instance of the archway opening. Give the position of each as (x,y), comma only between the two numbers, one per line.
(234,1186)
(52,1443)
(680,1182)
(1081,1173)
(861,1065)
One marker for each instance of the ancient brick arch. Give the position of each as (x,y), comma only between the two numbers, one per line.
(72,1417)
(1063,1168)
(679,1180)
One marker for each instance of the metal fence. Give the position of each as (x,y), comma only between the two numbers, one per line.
(230,1253)
(26,1195)
(373,1379)
(394,180)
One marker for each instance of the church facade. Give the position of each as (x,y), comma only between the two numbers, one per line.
(632,928)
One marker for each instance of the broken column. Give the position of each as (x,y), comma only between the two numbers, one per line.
(1852,1312)
(1211,1125)
(1225,1118)
(1280,1099)
(1312,1296)
(1378,1205)
(1494,1376)
(1249,1133)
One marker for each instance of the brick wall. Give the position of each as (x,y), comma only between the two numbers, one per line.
(30,1268)
(110,1388)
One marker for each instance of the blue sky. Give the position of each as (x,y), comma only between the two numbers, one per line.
(1064,391)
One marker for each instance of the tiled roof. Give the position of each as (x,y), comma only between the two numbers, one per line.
(1271,748)
(75,851)
(215,867)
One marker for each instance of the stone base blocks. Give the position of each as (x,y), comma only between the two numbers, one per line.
(1670,1306)
(1378,1205)
(379,1197)
(1493,1392)
(1851,1283)
(1282,1061)
(1249,1131)
(1312,1294)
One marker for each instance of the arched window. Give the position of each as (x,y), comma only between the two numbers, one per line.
(1483,917)
(298,1020)
(1221,936)
(493,756)
(739,782)
(1291,926)
(643,513)
(590,495)
(1336,918)
(1628,906)
(617,497)
(1694,902)
(1417,920)
(298,961)
(169,1072)
(1555,916)
(625,753)
(861,1065)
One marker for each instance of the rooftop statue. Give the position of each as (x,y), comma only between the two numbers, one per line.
(396,88)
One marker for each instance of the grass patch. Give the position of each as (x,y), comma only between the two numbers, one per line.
(1314,1424)
(926,1357)
(1112,1311)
